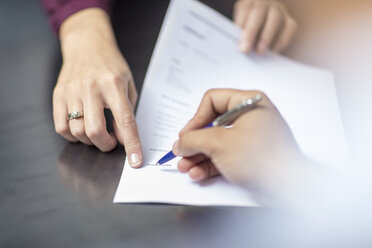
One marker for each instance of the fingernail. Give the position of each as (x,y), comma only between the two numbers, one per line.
(176,148)
(134,160)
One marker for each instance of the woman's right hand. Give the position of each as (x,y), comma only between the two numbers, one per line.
(95,76)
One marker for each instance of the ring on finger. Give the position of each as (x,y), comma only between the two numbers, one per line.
(75,115)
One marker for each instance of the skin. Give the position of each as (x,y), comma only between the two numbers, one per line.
(255,150)
(265,24)
(95,76)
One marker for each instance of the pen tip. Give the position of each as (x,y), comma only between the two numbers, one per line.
(157,164)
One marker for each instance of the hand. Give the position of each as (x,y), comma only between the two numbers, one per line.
(95,76)
(266,24)
(254,149)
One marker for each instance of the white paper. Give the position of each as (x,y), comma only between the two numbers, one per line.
(197,50)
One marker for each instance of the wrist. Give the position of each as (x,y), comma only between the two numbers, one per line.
(87,29)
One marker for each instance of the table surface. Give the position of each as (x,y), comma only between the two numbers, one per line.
(56,194)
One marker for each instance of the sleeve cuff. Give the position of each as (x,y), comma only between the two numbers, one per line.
(72,7)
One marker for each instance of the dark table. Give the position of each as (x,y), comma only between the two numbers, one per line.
(57,194)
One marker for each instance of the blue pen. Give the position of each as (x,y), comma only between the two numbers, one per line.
(224,120)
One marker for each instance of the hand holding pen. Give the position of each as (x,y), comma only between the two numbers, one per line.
(224,120)
(258,141)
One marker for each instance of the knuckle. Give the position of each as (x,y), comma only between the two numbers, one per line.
(72,85)
(61,129)
(113,81)
(115,78)
(77,131)
(127,120)
(106,149)
(94,132)
(89,83)
(117,83)
(210,92)
(132,144)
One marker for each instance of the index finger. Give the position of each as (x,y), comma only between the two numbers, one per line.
(125,120)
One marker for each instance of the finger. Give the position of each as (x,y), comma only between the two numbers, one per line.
(132,93)
(272,26)
(216,102)
(255,22)
(202,141)
(117,133)
(286,35)
(61,124)
(125,121)
(185,164)
(204,114)
(77,125)
(203,170)
(95,122)
(241,10)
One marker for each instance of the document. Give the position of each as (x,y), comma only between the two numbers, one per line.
(197,50)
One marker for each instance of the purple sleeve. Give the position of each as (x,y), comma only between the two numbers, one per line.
(59,10)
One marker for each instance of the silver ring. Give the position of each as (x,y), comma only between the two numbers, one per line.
(74,115)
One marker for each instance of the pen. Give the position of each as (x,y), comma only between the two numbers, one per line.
(224,120)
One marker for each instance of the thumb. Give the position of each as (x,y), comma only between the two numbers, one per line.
(206,141)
